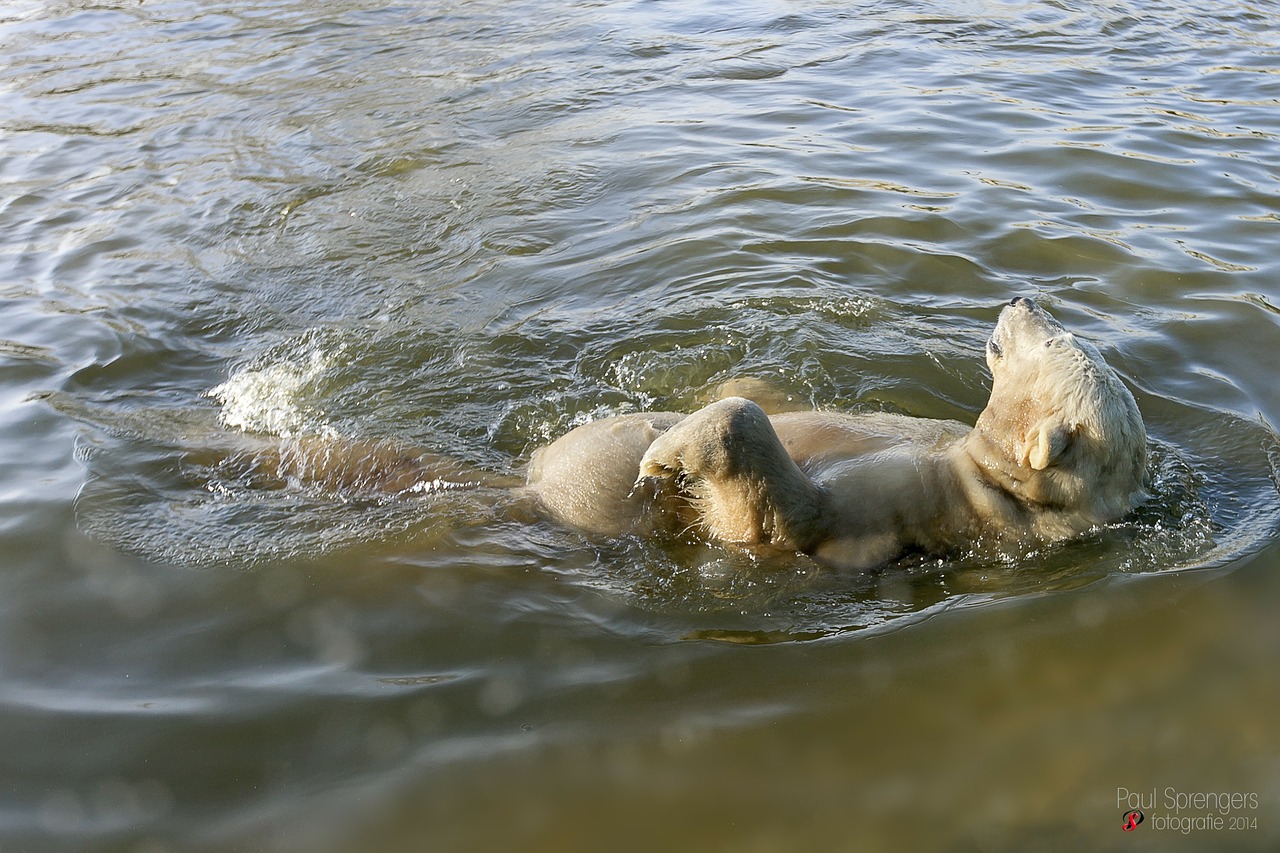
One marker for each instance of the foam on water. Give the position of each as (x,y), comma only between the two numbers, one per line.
(278,397)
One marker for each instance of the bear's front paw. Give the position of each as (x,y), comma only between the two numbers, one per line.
(707,443)
(661,461)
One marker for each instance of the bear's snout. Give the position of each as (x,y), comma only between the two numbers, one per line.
(1024,325)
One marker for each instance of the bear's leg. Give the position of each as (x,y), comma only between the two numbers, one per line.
(727,459)
(772,398)
(352,466)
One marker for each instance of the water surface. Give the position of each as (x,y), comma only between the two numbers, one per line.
(470,227)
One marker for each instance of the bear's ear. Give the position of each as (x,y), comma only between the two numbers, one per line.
(1046,441)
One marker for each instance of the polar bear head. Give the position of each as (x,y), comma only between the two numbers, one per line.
(1060,432)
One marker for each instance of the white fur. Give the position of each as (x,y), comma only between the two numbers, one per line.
(1059,448)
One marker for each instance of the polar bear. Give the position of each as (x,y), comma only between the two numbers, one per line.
(1059,448)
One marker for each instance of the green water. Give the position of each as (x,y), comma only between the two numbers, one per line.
(472,226)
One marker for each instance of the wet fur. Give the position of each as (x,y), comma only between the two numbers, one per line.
(1059,448)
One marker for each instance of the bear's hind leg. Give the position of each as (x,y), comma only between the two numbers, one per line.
(773,398)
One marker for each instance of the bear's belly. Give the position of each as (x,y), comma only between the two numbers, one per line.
(815,440)
(587,477)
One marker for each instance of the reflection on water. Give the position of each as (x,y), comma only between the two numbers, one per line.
(471,227)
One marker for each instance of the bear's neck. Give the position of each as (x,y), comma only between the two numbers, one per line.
(985,487)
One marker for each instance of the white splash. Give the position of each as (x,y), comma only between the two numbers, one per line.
(432,487)
(275,398)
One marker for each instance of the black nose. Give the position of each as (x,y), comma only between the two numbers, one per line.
(1018,300)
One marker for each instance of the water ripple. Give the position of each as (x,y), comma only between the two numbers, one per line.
(469,229)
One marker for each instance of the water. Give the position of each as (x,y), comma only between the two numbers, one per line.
(473,226)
